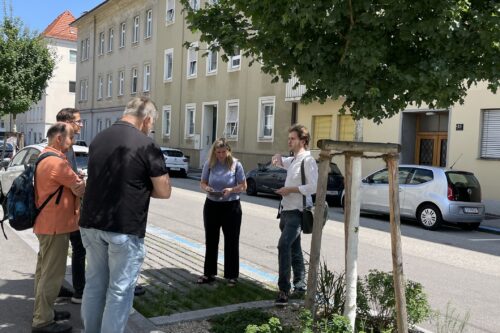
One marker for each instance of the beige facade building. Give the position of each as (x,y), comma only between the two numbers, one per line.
(465,137)
(200,97)
(116,60)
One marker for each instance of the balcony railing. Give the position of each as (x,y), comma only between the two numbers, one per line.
(294,94)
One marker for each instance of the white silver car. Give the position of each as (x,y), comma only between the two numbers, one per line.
(175,160)
(431,195)
(28,155)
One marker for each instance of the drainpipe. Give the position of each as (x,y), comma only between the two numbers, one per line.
(91,94)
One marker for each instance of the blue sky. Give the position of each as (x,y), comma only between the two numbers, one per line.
(38,14)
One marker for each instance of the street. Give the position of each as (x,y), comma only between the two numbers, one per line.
(454,266)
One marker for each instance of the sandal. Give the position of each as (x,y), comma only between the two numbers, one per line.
(205,279)
(232,282)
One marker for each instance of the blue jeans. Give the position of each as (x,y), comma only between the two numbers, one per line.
(290,251)
(113,264)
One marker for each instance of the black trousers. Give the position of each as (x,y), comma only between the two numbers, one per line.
(225,215)
(77,262)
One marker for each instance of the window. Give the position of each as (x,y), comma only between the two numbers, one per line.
(490,134)
(135,31)
(212,62)
(111,38)
(146,84)
(235,60)
(232,114)
(192,61)
(346,128)
(149,24)
(133,85)
(122,34)
(266,118)
(168,65)
(110,85)
(170,16)
(195,4)
(190,113)
(167,110)
(213,2)
(84,126)
(84,85)
(100,85)
(72,86)
(321,129)
(99,125)
(72,56)
(85,47)
(121,82)
(107,123)
(421,176)
(101,43)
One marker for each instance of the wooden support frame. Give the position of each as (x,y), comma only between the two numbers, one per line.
(353,152)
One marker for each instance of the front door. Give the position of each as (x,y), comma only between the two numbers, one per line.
(431,149)
(209,131)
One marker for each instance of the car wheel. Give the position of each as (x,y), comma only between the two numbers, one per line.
(251,187)
(469,226)
(429,216)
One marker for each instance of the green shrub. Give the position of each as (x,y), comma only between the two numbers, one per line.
(273,326)
(237,322)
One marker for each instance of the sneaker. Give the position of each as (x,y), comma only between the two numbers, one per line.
(282,298)
(76,299)
(53,328)
(299,290)
(65,292)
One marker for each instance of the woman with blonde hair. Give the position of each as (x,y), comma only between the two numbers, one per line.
(223,178)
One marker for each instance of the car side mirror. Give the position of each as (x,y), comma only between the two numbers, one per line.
(367,180)
(4,164)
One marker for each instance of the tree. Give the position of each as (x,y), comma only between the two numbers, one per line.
(380,56)
(26,65)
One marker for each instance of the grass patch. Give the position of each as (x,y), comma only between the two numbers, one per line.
(161,302)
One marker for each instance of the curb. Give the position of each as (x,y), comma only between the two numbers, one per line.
(489,230)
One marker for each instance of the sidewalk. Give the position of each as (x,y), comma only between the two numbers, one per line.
(171,262)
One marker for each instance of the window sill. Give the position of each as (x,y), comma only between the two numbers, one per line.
(192,77)
(265,139)
(237,69)
(212,73)
(167,81)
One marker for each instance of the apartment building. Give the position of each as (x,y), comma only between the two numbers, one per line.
(61,88)
(200,97)
(465,136)
(116,60)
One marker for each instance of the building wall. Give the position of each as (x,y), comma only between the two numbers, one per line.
(111,14)
(246,85)
(463,145)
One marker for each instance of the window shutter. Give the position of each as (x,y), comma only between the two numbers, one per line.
(490,136)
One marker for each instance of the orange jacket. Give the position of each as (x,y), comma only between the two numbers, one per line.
(51,173)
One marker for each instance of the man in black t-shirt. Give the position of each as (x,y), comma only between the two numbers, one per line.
(125,169)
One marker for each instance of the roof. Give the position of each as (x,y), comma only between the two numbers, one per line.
(88,12)
(60,29)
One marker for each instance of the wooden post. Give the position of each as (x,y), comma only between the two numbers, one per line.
(397,253)
(352,235)
(314,257)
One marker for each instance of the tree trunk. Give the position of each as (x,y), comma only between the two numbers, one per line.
(351,230)
(314,257)
(397,256)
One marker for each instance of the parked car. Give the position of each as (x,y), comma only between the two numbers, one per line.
(176,161)
(28,155)
(267,178)
(431,195)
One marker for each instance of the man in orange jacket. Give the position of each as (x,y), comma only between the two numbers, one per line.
(53,225)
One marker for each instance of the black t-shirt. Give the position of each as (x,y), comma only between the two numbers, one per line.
(122,161)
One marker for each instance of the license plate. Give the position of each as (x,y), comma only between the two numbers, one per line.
(471,210)
(332,192)
(175,169)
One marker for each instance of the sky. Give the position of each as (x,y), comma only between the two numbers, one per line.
(38,14)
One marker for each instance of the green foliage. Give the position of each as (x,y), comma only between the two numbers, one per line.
(377,56)
(378,289)
(273,326)
(330,295)
(26,64)
(451,321)
(237,322)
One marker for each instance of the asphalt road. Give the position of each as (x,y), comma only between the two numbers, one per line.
(458,267)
